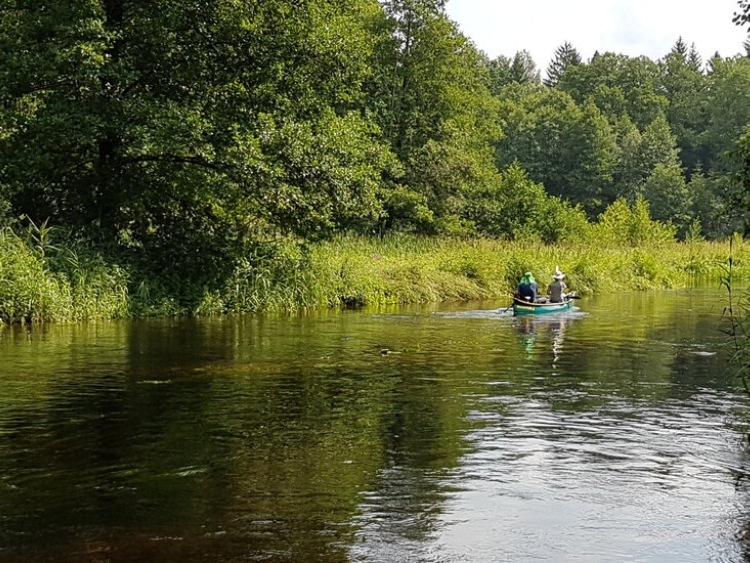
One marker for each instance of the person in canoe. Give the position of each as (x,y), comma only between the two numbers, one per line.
(527,287)
(556,288)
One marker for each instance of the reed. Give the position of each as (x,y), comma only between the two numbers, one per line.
(52,282)
(735,319)
(41,282)
(397,269)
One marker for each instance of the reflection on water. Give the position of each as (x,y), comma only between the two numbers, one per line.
(611,432)
(545,331)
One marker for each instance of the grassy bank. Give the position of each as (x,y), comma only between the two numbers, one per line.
(41,283)
(364,272)
(356,272)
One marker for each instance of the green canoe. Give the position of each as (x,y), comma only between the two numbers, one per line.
(523,307)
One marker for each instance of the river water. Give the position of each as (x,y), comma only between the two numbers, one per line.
(610,433)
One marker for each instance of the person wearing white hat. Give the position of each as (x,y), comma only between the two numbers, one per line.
(557,287)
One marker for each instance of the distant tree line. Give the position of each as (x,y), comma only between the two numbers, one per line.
(184,137)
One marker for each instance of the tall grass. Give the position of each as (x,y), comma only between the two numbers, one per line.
(358,272)
(411,269)
(41,282)
(735,317)
(46,277)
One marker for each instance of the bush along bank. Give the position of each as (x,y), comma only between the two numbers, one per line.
(43,282)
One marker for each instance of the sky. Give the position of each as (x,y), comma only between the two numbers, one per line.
(628,27)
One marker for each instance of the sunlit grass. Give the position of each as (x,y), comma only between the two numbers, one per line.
(42,282)
(73,284)
(357,271)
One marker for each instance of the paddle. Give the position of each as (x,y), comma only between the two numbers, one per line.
(572,296)
(509,307)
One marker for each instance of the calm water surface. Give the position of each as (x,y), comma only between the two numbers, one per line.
(612,433)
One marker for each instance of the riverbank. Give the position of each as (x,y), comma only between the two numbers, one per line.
(48,283)
(366,272)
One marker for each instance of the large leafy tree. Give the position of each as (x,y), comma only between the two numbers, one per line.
(619,86)
(430,88)
(167,127)
(567,148)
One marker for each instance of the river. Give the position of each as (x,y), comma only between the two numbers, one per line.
(446,434)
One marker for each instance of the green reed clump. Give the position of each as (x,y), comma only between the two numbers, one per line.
(95,289)
(272,276)
(43,281)
(28,290)
(403,269)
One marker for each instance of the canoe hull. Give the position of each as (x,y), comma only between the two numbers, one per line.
(521,307)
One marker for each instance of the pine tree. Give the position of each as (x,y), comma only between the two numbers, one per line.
(694,59)
(523,68)
(565,56)
(680,47)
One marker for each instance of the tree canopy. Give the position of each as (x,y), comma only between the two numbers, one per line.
(180,136)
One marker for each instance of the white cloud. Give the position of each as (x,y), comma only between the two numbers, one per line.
(630,27)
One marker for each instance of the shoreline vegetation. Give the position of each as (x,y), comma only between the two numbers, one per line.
(46,280)
(211,157)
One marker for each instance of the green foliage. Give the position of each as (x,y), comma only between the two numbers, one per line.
(569,149)
(41,280)
(406,211)
(320,177)
(649,167)
(684,85)
(517,208)
(521,69)
(727,112)
(630,225)
(181,131)
(565,55)
(560,222)
(737,194)
(434,108)
(668,195)
(648,272)
(511,208)
(697,264)
(273,276)
(28,290)
(619,85)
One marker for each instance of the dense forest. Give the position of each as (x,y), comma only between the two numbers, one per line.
(179,142)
